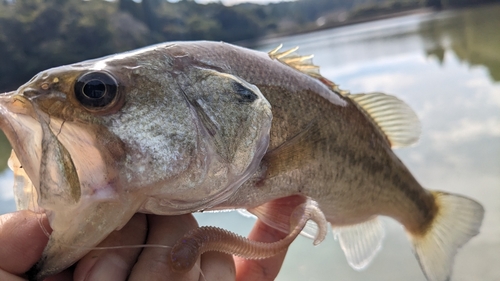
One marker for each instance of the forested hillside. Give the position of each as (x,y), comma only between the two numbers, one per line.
(38,34)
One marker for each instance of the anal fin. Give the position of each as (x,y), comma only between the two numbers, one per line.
(360,242)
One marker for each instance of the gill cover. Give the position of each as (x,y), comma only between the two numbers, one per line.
(233,121)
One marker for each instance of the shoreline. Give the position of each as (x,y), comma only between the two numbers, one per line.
(254,42)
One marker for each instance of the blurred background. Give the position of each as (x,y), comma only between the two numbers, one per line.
(440,56)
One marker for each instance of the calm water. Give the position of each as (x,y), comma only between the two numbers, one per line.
(446,66)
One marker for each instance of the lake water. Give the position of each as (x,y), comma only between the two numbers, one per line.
(446,66)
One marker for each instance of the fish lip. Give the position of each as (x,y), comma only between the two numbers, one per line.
(20,124)
(20,119)
(66,248)
(79,225)
(25,125)
(16,110)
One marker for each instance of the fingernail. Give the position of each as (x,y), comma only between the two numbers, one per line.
(109,267)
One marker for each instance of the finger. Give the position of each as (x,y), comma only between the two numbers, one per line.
(265,269)
(6,276)
(114,264)
(217,266)
(153,262)
(22,240)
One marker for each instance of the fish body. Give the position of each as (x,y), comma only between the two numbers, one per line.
(189,126)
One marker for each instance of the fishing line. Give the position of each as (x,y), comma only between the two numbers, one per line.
(44,230)
(40,214)
(196,265)
(120,247)
(37,209)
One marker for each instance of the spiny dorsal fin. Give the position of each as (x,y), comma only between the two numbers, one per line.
(394,117)
(303,64)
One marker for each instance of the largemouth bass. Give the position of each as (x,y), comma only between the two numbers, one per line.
(182,127)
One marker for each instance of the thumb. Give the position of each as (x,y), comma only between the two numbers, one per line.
(22,240)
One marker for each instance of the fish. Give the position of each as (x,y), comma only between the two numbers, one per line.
(182,127)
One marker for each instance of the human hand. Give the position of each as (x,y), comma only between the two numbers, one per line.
(23,241)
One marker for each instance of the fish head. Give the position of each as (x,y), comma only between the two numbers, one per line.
(97,141)
(66,158)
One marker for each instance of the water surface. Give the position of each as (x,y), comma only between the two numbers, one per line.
(446,66)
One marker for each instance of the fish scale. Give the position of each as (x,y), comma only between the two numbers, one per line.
(192,126)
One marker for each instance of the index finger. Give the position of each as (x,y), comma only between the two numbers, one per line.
(265,269)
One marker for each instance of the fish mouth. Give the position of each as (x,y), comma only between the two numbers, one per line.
(65,170)
(23,130)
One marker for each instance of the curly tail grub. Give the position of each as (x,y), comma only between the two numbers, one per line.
(187,250)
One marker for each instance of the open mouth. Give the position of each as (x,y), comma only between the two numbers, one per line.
(64,172)
(25,192)
(19,123)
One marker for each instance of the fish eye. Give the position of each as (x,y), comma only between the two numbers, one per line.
(95,90)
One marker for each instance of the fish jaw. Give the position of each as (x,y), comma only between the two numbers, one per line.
(65,246)
(72,175)
(81,192)
(82,208)
(160,147)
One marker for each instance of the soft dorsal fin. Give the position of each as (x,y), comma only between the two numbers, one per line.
(395,118)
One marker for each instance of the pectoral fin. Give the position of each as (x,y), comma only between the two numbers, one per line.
(277,214)
(295,152)
(309,231)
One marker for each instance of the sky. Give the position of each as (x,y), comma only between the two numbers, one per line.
(459,106)
(234,2)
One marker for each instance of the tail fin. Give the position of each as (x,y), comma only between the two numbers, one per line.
(458,220)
